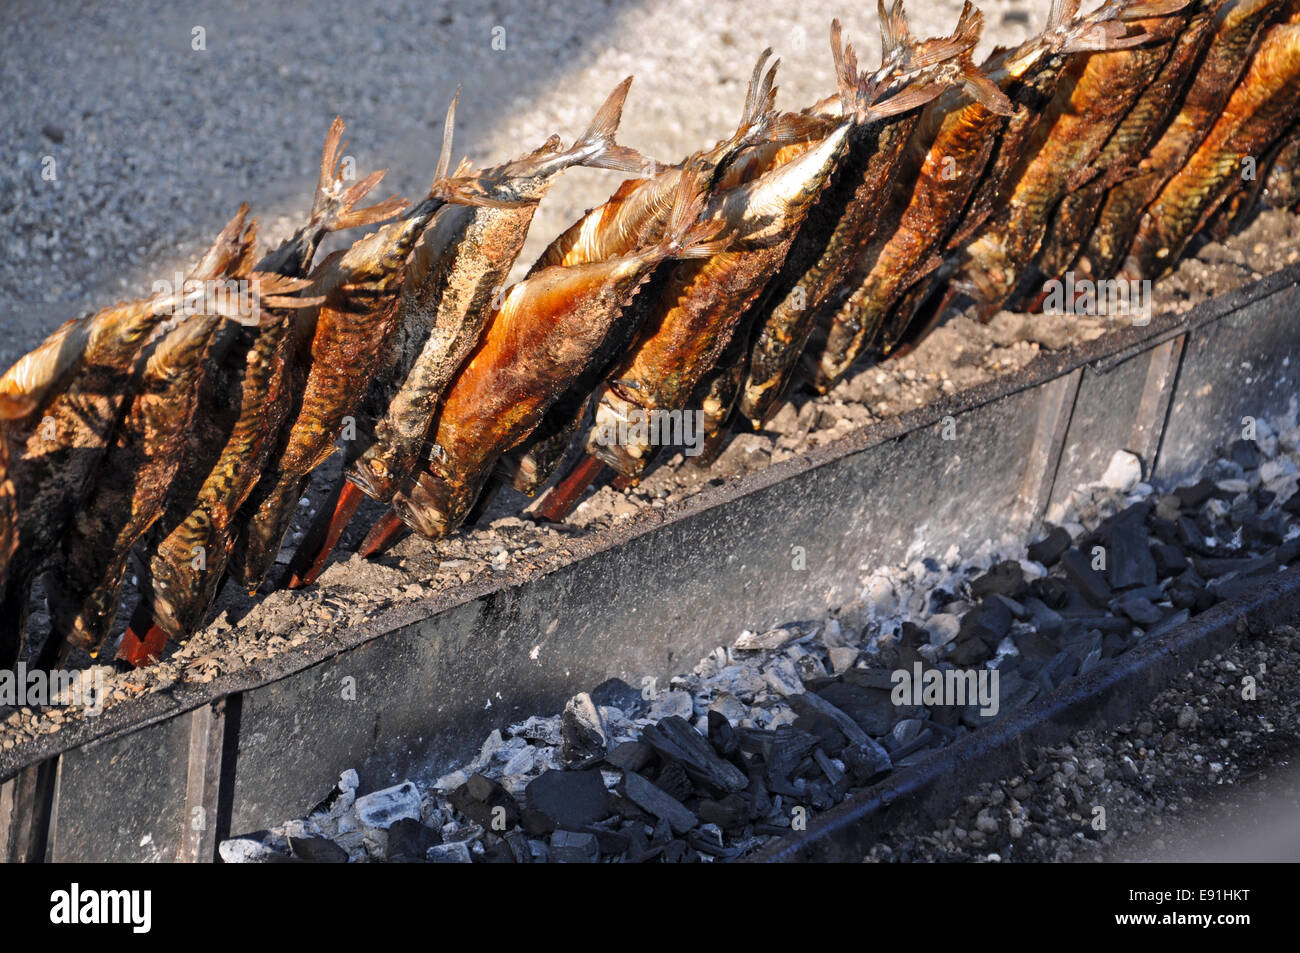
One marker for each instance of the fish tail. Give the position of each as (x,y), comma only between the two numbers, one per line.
(597,145)
(895,36)
(334,207)
(1105,28)
(229,247)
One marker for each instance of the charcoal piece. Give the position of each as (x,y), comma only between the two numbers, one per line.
(989,622)
(495,851)
(1113,644)
(923,739)
(486,803)
(813,702)
(786,747)
(707,845)
(1051,591)
(833,774)
(1017,609)
(1035,646)
(879,678)
(1192,537)
(1046,621)
(1140,610)
(520,849)
(970,651)
(630,755)
(1168,507)
(912,635)
(1210,567)
(1005,578)
(1292,505)
(322,850)
(571,847)
(760,801)
(1226,587)
(1050,548)
(1245,453)
(1260,531)
(662,832)
(639,850)
(1288,552)
(672,779)
(1169,560)
(675,738)
(583,731)
(409,841)
(616,693)
(871,708)
(1090,583)
(826,731)
(729,813)
(658,802)
(675,852)
(1175,620)
(721,734)
(572,800)
(535,823)
(1194,495)
(819,796)
(1058,670)
(1131,563)
(866,762)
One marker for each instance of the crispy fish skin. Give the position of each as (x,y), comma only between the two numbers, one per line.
(1085,113)
(1264,104)
(460,265)
(1235,39)
(541,337)
(939,190)
(82,392)
(825,260)
(702,301)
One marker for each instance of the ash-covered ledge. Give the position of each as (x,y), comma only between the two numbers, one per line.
(416,684)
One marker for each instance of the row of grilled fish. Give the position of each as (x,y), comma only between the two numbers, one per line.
(183,430)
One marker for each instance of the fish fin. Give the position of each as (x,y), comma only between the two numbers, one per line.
(599,136)
(448,128)
(913,97)
(346,216)
(1144,9)
(798,127)
(759,97)
(1061,14)
(227,247)
(334,207)
(686,235)
(932,52)
(895,35)
(982,89)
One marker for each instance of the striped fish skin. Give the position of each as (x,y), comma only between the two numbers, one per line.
(1235,39)
(1261,109)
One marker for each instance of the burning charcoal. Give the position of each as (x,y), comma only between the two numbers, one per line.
(1131,562)
(768,641)
(630,755)
(1005,578)
(721,734)
(729,813)
(456,852)
(1140,610)
(1245,453)
(1050,591)
(674,738)
(673,704)
(657,802)
(322,850)
(381,809)
(1051,547)
(616,693)
(569,847)
(1169,560)
(486,803)
(409,841)
(1092,584)
(571,800)
(583,730)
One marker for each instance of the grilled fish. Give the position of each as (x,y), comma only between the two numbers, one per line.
(693,313)
(1282,188)
(79,381)
(1089,105)
(1235,39)
(824,263)
(1262,107)
(541,337)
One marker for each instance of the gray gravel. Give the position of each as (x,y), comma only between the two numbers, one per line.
(155,144)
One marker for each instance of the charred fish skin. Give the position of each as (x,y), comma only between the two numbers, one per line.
(1260,110)
(1087,109)
(1136,133)
(826,256)
(63,440)
(1235,39)
(542,337)
(459,267)
(954,164)
(704,300)
(10,409)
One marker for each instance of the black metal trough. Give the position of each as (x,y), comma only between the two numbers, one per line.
(165,776)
